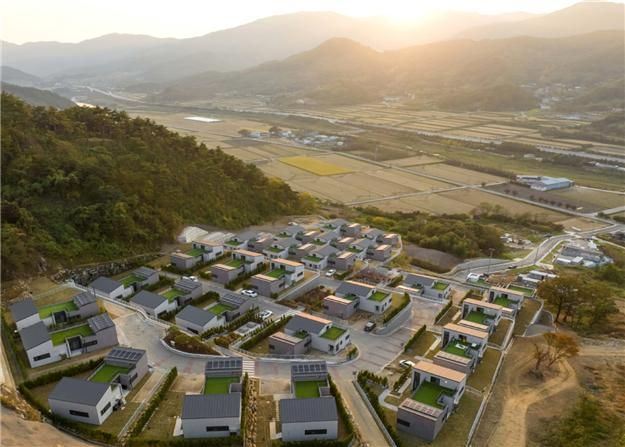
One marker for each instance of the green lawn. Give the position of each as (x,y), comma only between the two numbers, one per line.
(525,315)
(333,333)
(58,338)
(457,347)
(308,389)
(505,302)
(107,373)
(483,374)
(236,263)
(275,249)
(195,252)
(378,296)
(276,273)
(440,285)
(129,280)
(476,317)
(312,258)
(67,306)
(172,294)
(220,308)
(219,385)
(428,393)
(524,290)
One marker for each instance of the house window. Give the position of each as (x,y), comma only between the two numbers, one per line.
(217,428)
(82,414)
(318,431)
(41,357)
(90,343)
(377,308)
(402,422)
(105,409)
(192,330)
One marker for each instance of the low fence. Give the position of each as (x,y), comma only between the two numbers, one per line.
(396,322)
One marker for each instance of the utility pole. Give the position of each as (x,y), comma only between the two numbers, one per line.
(490,258)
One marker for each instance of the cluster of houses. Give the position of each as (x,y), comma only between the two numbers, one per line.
(438,385)
(228,307)
(544,183)
(127,286)
(63,330)
(179,295)
(582,253)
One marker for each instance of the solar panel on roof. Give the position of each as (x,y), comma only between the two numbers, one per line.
(421,408)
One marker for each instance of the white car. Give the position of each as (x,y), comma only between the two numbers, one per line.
(330,273)
(250,293)
(265,314)
(193,278)
(407,363)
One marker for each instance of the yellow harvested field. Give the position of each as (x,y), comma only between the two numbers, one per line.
(602,199)
(414,161)
(314,165)
(580,224)
(455,174)
(413,181)
(285,172)
(429,203)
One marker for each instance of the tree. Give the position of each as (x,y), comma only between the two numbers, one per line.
(275,130)
(557,346)
(245,132)
(560,292)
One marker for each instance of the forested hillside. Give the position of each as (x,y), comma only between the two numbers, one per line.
(89,184)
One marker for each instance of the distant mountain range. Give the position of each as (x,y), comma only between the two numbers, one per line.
(142,62)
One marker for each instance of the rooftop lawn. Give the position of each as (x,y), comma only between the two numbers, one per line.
(130,280)
(505,302)
(428,393)
(476,317)
(524,290)
(233,243)
(236,263)
(107,373)
(220,308)
(219,385)
(333,333)
(276,273)
(457,347)
(312,258)
(195,252)
(440,285)
(275,249)
(53,308)
(171,294)
(58,338)
(354,250)
(379,296)
(308,388)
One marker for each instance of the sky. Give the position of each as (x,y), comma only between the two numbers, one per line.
(75,20)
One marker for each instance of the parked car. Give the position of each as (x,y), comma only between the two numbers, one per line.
(370,326)
(406,363)
(265,314)
(193,278)
(292,223)
(249,292)
(330,272)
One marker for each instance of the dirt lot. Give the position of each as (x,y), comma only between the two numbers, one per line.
(455,174)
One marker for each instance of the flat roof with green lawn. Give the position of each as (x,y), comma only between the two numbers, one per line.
(354,250)
(172,294)
(457,347)
(308,389)
(130,280)
(440,285)
(476,317)
(333,333)
(524,290)
(220,308)
(195,252)
(275,249)
(67,306)
(313,258)
(505,302)
(219,385)
(107,373)
(233,243)
(58,338)
(379,296)
(276,273)
(428,393)
(236,263)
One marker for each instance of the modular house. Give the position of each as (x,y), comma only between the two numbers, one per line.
(344,261)
(281,248)
(380,252)
(259,243)
(344,242)
(303,250)
(334,224)
(84,401)
(324,336)
(140,278)
(312,413)
(24,313)
(197,320)
(240,241)
(351,230)
(310,236)
(360,247)
(436,391)
(480,313)
(462,348)
(283,274)
(186,289)
(284,344)
(210,250)
(123,366)
(294,231)
(429,286)
(234,305)
(340,307)
(43,347)
(242,262)
(80,307)
(510,300)
(110,288)
(154,304)
(535,277)
(391,239)
(217,411)
(318,259)
(371,233)
(201,251)
(370,299)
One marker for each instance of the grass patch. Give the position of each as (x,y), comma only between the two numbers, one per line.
(236,263)
(220,308)
(483,374)
(476,317)
(378,296)
(315,166)
(172,294)
(501,331)
(129,280)
(309,388)
(524,316)
(219,385)
(67,306)
(276,273)
(524,290)
(107,373)
(457,347)
(428,393)
(440,286)
(58,338)
(333,333)
(505,302)
(195,252)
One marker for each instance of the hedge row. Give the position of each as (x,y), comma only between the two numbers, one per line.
(390,315)
(410,343)
(373,399)
(341,407)
(401,379)
(154,403)
(444,310)
(367,376)
(55,376)
(265,331)
(245,398)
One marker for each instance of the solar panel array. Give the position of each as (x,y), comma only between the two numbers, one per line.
(309,368)
(100,322)
(126,354)
(84,298)
(226,364)
(418,407)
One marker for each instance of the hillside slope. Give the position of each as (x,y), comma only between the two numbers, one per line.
(37,97)
(82,184)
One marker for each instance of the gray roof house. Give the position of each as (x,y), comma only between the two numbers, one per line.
(24,313)
(308,419)
(148,300)
(353,288)
(209,406)
(34,335)
(197,320)
(224,367)
(307,323)
(109,287)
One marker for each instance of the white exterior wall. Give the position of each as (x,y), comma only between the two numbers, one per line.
(33,319)
(295,431)
(166,306)
(196,428)
(218,321)
(369,305)
(62,408)
(321,344)
(449,384)
(47,347)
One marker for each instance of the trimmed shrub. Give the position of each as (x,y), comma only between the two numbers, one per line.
(154,403)
(265,331)
(390,315)
(444,310)
(410,343)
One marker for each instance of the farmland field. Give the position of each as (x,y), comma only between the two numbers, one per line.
(581,224)
(415,160)
(455,174)
(413,181)
(430,203)
(601,199)
(315,166)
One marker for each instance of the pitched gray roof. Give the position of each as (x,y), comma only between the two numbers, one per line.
(372,233)
(84,298)
(224,366)
(148,299)
(34,335)
(129,355)
(299,323)
(104,284)
(245,236)
(292,230)
(78,391)
(100,322)
(187,284)
(287,242)
(419,279)
(336,223)
(328,250)
(201,406)
(23,309)
(195,315)
(233,299)
(364,243)
(319,409)
(144,272)
(349,288)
